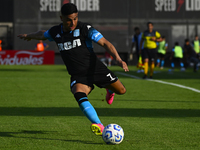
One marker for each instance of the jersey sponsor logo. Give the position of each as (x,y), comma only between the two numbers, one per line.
(58,36)
(69,45)
(97,35)
(88,26)
(76,33)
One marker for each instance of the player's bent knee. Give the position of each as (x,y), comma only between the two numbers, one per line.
(121,91)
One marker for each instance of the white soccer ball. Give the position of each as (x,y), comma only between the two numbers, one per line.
(113,134)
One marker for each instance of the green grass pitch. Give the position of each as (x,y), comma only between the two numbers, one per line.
(38,111)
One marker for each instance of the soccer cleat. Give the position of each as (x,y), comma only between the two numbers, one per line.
(151,77)
(144,77)
(109,97)
(97,129)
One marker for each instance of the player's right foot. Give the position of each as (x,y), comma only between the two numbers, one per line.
(109,97)
(97,129)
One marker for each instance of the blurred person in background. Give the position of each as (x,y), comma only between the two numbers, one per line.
(149,37)
(191,54)
(196,45)
(177,55)
(162,48)
(107,59)
(136,43)
(40,46)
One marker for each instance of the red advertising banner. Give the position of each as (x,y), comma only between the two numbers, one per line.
(24,57)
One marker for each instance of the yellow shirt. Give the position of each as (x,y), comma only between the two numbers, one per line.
(148,43)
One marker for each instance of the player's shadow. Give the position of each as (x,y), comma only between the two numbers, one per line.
(115,112)
(27,134)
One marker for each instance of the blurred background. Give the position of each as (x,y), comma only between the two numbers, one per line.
(115,19)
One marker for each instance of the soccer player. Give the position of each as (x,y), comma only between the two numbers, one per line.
(197,46)
(177,55)
(136,42)
(74,41)
(149,37)
(162,48)
(191,54)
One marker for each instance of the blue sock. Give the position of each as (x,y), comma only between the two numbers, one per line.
(162,63)
(89,112)
(86,107)
(110,91)
(181,64)
(172,65)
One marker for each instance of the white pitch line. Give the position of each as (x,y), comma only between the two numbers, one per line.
(159,81)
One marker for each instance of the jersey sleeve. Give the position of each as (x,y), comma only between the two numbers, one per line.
(94,35)
(48,36)
(91,33)
(158,35)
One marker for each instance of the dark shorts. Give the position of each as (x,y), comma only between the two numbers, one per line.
(101,79)
(176,59)
(160,55)
(137,54)
(194,60)
(198,55)
(149,53)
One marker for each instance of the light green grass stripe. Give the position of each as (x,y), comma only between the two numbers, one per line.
(159,81)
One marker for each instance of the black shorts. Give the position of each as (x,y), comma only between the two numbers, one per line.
(149,53)
(100,78)
(194,60)
(160,55)
(177,59)
(137,55)
(198,55)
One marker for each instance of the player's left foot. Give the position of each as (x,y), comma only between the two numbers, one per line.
(97,129)
(144,77)
(109,97)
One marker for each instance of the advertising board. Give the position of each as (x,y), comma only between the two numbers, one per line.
(24,57)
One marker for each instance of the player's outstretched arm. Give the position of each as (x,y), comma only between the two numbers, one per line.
(113,52)
(39,35)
